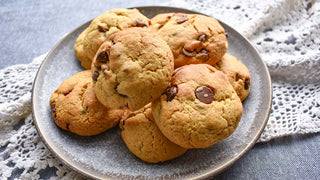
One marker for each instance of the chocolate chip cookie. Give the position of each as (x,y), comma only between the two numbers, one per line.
(132,68)
(75,107)
(193,38)
(199,109)
(238,74)
(145,140)
(101,28)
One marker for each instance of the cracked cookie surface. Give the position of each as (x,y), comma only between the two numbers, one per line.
(101,28)
(199,109)
(75,107)
(144,139)
(193,38)
(238,74)
(132,68)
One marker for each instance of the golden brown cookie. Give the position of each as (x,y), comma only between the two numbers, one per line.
(199,109)
(193,38)
(132,68)
(80,52)
(102,27)
(145,140)
(237,73)
(75,107)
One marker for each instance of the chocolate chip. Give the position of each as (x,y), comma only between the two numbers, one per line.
(123,95)
(204,51)
(105,67)
(160,26)
(202,37)
(174,73)
(237,77)
(53,107)
(203,54)
(204,94)
(188,53)
(102,57)
(84,110)
(203,57)
(175,33)
(68,92)
(246,84)
(102,28)
(226,34)
(54,115)
(140,23)
(67,126)
(126,69)
(171,92)
(95,76)
(112,43)
(182,20)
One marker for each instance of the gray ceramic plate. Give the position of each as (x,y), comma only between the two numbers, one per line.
(106,156)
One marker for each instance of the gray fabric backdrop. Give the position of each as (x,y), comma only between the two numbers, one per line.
(31,28)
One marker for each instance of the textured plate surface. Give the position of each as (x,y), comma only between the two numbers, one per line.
(106,156)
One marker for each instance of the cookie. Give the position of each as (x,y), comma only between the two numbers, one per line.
(145,140)
(80,52)
(132,68)
(101,28)
(75,107)
(193,38)
(238,74)
(199,109)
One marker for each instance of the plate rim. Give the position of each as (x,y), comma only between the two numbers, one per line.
(210,173)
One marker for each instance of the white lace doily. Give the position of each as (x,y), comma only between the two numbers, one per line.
(286,33)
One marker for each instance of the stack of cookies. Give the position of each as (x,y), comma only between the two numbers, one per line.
(168,82)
